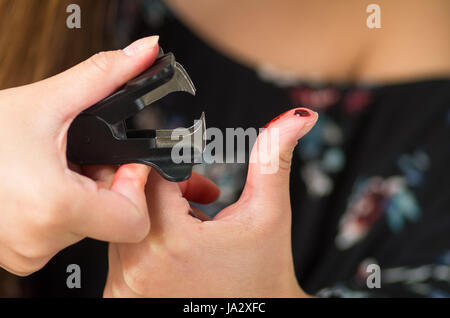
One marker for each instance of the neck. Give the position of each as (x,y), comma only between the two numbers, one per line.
(328,40)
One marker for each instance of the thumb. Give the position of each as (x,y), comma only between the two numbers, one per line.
(270,160)
(92,80)
(118,214)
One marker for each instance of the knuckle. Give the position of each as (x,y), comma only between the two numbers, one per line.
(24,266)
(136,275)
(101,62)
(159,261)
(162,250)
(30,251)
(51,211)
(44,219)
(132,279)
(49,217)
(285,158)
(177,249)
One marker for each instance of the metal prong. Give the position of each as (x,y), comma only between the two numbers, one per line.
(184,82)
(194,136)
(160,52)
(180,82)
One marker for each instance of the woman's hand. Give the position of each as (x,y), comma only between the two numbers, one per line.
(44,205)
(245,251)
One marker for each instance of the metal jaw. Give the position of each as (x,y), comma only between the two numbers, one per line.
(99,134)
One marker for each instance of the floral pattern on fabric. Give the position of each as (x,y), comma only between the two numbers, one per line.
(352,101)
(418,279)
(372,199)
(427,280)
(323,156)
(376,197)
(318,99)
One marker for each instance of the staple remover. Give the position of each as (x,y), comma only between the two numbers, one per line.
(99,135)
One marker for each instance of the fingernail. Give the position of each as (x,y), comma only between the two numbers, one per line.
(300,120)
(309,118)
(302,113)
(141,45)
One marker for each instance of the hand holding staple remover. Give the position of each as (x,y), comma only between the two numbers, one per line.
(99,135)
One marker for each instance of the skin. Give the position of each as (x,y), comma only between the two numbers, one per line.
(47,205)
(55,204)
(327,41)
(245,251)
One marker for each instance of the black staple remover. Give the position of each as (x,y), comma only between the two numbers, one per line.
(99,135)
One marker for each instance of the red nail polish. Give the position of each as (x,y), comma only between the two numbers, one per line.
(302,113)
(275,119)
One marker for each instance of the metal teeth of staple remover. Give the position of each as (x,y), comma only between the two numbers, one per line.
(99,134)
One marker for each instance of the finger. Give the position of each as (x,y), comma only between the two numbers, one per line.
(270,160)
(199,189)
(118,214)
(92,80)
(166,204)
